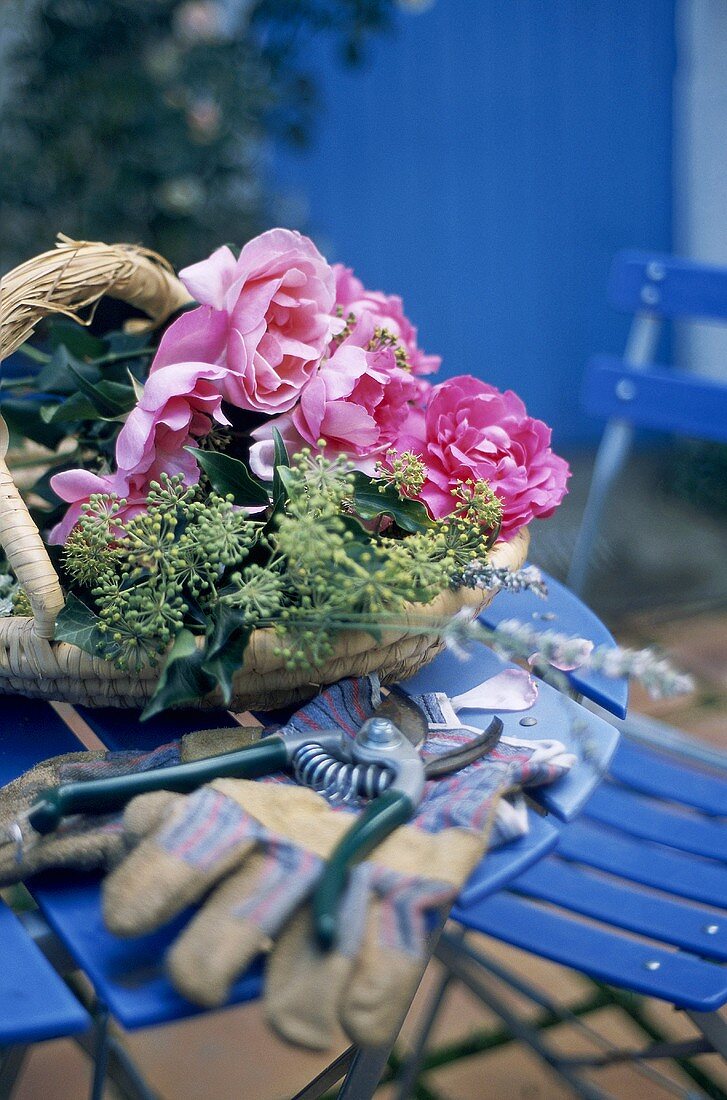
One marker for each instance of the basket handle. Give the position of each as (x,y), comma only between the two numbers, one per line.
(70,279)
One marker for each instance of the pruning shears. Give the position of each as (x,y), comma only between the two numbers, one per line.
(382,764)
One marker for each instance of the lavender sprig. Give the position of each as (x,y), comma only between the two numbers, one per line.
(521,640)
(482,575)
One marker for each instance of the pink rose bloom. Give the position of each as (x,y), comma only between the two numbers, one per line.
(179,405)
(266,317)
(388,310)
(357,402)
(472,431)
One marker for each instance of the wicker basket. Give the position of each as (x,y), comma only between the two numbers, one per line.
(67,280)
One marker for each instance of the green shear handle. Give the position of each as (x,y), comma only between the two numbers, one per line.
(386,813)
(103,796)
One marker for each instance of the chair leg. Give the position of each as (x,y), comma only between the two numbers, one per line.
(328,1077)
(11,1063)
(612,453)
(412,1065)
(101,1052)
(455,956)
(713,1027)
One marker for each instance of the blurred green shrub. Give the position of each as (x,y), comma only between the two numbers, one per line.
(153,120)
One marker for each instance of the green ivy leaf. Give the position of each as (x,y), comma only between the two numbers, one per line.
(25,421)
(122,343)
(370,503)
(281,461)
(226,649)
(57,377)
(77,339)
(110,399)
(77,407)
(78,624)
(230,475)
(182,679)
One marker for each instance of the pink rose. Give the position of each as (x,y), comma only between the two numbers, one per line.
(357,402)
(388,310)
(472,431)
(266,318)
(179,405)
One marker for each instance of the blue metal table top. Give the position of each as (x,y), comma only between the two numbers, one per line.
(128,975)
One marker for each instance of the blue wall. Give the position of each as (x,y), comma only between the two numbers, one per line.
(485,165)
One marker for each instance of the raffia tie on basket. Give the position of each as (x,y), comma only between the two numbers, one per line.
(71,279)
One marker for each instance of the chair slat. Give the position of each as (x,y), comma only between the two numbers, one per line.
(669,975)
(657,398)
(619,903)
(128,975)
(30,731)
(34,1003)
(643,817)
(668,286)
(498,867)
(121,729)
(650,864)
(564,612)
(655,774)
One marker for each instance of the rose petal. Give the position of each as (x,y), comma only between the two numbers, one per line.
(511,690)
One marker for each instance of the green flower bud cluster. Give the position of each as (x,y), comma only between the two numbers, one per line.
(257,592)
(310,569)
(406,472)
(468,533)
(335,573)
(146,574)
(91,549)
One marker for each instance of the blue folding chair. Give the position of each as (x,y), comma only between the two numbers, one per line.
(634,894)
(34,1002)
(632,392)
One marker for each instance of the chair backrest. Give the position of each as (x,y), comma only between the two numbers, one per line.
(655,287)
(667,286)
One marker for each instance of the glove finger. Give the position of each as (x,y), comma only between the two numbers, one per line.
(304,986)
(534,763)
(238,921)
(393,956)
(145,813)
(202,839)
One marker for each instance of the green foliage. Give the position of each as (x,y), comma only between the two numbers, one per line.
(696,471)
(149,121)
(372,500)
(78,625)
(229,475)
(82,393)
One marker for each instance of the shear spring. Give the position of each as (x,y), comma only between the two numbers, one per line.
(339,780)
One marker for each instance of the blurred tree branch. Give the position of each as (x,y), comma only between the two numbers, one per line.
(153,120)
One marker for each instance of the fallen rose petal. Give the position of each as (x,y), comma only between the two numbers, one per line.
(513,689)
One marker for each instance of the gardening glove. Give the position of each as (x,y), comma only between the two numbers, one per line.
(369,980)
(255,850)
(88,841)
